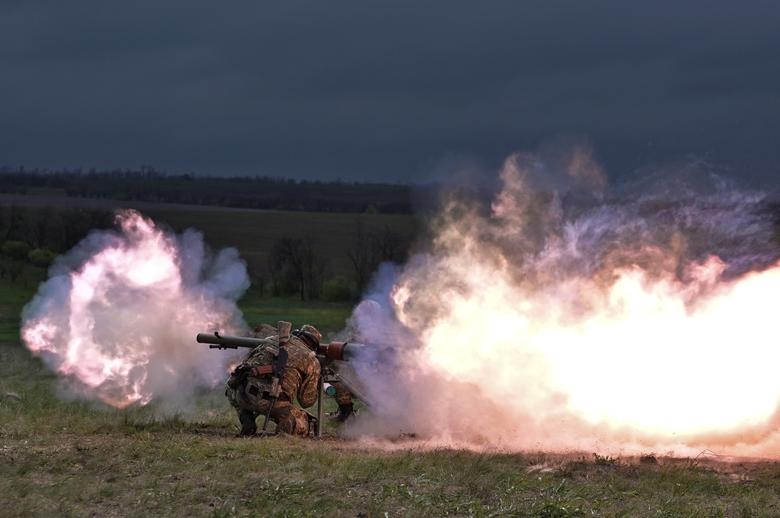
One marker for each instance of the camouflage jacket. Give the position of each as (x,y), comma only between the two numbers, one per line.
(300,375)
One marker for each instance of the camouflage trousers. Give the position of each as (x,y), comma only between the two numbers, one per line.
(289,418)
(343,396)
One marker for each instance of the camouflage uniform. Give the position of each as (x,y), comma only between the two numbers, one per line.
(367,310)
(343,398)
(298,381)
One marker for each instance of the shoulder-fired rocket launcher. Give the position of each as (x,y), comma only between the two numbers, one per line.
(340,351)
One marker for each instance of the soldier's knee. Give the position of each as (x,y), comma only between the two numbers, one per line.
(343,399)
(343,396)
(292,425)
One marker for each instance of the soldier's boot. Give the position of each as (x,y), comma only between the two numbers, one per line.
(248,422)
(344,413)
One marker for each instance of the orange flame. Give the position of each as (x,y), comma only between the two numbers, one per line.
(560,339)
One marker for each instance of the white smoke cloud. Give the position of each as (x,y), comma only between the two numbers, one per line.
(628,320)
(118,315)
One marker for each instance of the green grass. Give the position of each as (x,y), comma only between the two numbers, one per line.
(329,317)
(13,297)
(72,458)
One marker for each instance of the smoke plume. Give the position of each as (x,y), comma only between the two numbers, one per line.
(118,315)
(631,319)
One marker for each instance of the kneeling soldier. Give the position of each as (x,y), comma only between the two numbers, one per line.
(273,376)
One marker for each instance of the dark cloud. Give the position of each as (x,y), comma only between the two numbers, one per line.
(386,90)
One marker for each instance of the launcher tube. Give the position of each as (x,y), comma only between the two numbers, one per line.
(219,341)
(341,351)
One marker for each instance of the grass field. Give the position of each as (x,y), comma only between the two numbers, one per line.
(329,317)
(68,458)
(12,298)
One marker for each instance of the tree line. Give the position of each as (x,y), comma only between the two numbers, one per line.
(149,185)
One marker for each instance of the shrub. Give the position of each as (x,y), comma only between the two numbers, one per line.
(15,249)
(41,257)
(336,290)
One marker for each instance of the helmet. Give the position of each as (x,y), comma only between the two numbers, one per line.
(312,336)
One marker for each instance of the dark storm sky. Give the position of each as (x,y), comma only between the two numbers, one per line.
(395,90)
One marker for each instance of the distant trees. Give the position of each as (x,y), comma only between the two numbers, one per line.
(54,229)
(150,185)
(296,266)
(33,237)
(370,248)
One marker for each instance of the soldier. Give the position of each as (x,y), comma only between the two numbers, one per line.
(250,388)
